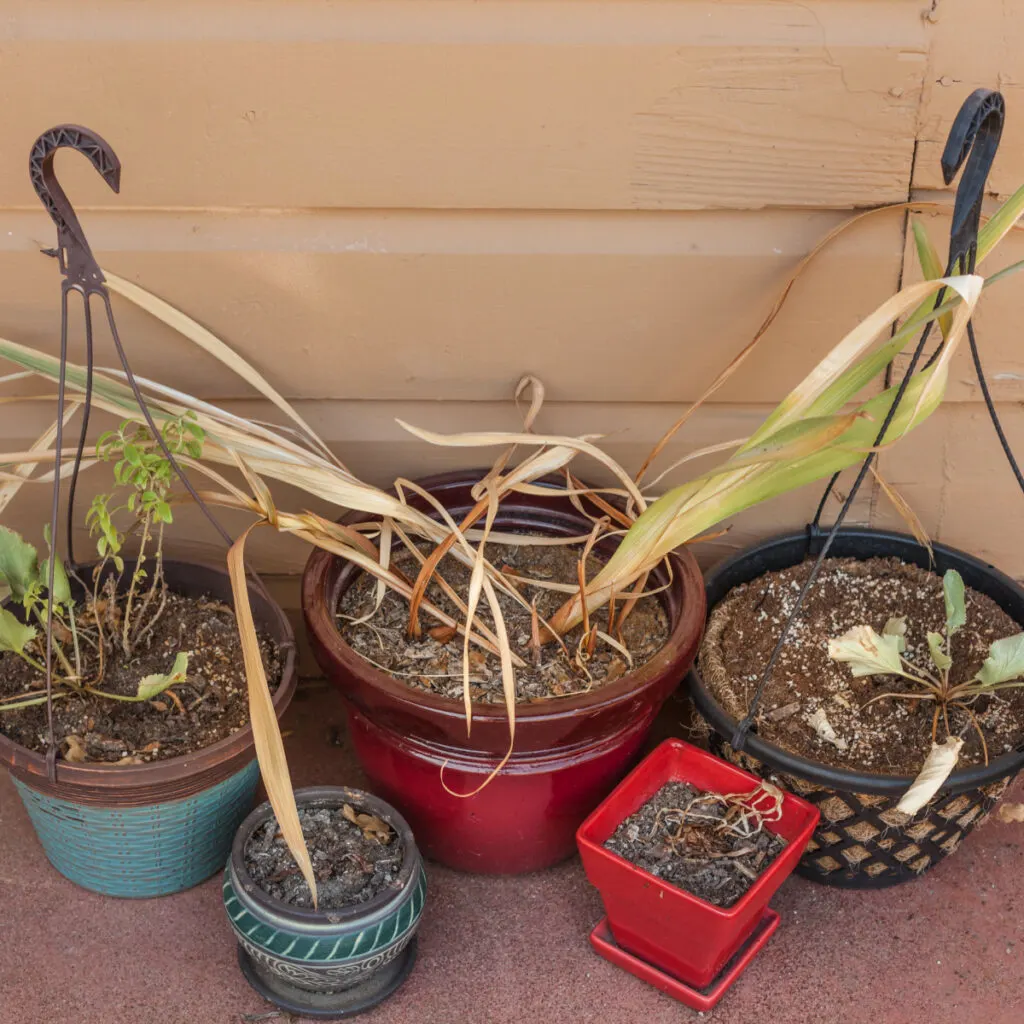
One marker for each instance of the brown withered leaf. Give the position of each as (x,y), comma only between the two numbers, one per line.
(442,634)
(130,759)
(75,751)
(372,826)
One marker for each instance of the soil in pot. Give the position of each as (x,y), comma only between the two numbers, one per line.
(889,736)
(210,705)
(711,845)
(355,857)
(434,662)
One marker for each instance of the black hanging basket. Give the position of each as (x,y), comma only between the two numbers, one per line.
(860,842)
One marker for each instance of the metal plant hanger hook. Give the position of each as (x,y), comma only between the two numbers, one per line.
(82,274)
(77,263)
(974,138)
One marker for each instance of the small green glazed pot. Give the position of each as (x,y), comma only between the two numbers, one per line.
(326,964)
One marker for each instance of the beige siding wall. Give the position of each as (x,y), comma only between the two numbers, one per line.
(397,208)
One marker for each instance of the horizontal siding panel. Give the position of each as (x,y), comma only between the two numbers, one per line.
(417,104)
(366,436)
(973,45)
(602,307)
(954,475)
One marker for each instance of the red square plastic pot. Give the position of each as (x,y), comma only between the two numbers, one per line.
(658,922)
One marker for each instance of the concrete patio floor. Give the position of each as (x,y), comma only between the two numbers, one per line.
(943,950)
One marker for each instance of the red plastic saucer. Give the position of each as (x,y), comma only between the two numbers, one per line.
(696,998)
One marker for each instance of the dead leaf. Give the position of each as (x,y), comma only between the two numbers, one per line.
(75,752)
(1011,812)
(823,727)
(938,766)
(151,748)
(442,634)
(616,668)
(130,759)
(372,826)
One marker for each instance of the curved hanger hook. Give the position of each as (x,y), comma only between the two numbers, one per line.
(76,259)
(974,137)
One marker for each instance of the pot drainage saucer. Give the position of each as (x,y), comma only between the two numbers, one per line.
(700,999)
(334,1005)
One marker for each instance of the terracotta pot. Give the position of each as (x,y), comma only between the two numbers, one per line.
(326,964)
(157,828)
(569,752)
(659,924)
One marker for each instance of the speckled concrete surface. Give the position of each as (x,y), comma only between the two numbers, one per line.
(945,950)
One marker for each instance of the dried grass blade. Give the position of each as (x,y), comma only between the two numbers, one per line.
(265,730)
(209,342)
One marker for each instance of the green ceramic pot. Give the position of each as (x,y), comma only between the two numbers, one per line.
(326,964)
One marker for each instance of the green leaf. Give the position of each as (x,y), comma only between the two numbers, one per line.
(119,563)
(150,686)
(956,610)
(61,585)
(163,512)
(931,267)
(867,652)
(131,453)
(897,627)
(1005,661)
(19,563)
(940,658)
(14,635)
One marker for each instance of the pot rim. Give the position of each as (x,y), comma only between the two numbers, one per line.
(30,766)
(658,766)
(846,779)
(687,582)
(333,797)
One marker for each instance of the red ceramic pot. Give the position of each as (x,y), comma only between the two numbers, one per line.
(569,752)
(686,937)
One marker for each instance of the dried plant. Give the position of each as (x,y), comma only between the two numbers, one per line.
(884,654)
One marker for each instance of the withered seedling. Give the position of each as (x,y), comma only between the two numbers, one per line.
(884,654)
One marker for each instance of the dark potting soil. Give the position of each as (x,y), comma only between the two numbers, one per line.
(355,856)
(889,736)
(696,842)
(436,664)
(97,729)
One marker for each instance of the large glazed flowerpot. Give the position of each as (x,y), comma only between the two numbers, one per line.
(861,841)
(332,963)
(569,752)
(157,828)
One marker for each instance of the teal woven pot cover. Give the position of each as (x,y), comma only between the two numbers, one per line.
(142,851)
(305,951)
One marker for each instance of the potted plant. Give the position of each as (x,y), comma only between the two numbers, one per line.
(687,852)
(823,732)
(154,759)
(569,750)
(358,946)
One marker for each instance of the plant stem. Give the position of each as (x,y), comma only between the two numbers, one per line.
(72,625)
(61,656)
(125,632)
(97,575)
(157,586)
